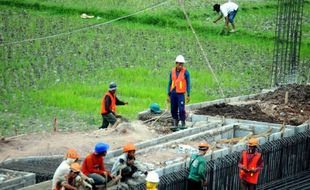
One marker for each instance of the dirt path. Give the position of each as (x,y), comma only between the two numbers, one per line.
(44,144)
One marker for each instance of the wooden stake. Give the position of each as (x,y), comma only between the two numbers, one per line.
(55,124)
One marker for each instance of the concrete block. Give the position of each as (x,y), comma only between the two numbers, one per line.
(18,181)
(275,136)
(197,118)
(303,127)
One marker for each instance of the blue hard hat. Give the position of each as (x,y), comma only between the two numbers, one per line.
(101,147)
(112,86)
(155,108)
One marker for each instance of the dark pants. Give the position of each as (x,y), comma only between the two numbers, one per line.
(247,186)
(177,104)
(128,172)
(107,119)
(194,185)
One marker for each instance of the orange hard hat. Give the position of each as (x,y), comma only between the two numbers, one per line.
(253,142)
(72,153)
(75,167)
(129,147)
(203,146)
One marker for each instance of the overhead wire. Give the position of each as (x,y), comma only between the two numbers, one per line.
(87,27)
(181,2)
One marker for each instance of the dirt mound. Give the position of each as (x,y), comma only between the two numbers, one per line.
(270,107)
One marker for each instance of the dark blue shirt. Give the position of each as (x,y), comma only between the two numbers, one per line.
(188,83)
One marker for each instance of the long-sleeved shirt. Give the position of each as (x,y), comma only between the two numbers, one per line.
(93,164)
(108,101)
(260,163)
(188,82)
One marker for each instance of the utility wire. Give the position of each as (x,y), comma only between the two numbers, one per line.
(87,27)
(201,48)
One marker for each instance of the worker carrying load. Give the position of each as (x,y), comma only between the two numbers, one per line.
(178,85)
(126,164)
(64,169)
(197,169)
(250,165)
(70,180)
(93,165)
(152,180)
(108,107)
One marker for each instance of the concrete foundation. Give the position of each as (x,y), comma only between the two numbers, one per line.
(12,180)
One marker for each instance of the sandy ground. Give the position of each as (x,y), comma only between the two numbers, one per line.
(44,144)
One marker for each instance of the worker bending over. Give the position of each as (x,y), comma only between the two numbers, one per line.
(70,181)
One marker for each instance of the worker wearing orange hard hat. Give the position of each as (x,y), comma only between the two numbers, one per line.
(197,169)
(126,164)
(64,168)
(250,165)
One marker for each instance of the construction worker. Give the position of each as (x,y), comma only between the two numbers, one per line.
(178,85)
(228,11)
(197,169)
(63,169)
(93,165)
(126,164)
(69,181)
(152,180)
(250,165)
(108,106)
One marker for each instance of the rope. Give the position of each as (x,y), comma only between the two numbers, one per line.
(87,27)
(200,46)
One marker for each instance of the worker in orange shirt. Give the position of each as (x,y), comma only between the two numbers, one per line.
(250,165)
(93,165)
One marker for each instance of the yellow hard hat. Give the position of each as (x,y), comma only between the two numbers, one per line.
(253,142)
(75,167)
(72,153)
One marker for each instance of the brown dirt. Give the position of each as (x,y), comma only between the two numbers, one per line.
(44,144)
(269,107)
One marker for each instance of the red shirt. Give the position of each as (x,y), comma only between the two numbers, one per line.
(93,164)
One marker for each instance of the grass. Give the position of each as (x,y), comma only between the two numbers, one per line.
(67,76)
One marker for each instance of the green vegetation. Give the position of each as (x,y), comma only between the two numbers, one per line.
(66,76)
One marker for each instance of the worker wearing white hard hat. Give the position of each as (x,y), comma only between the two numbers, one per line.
(178,85)
(152,180)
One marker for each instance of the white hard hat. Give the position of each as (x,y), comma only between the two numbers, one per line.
(180,59)
(152,176)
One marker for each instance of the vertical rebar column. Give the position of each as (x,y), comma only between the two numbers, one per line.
(286,55)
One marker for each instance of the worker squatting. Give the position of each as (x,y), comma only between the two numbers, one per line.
(93,174)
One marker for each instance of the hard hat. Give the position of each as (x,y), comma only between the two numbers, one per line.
(129,147)
(72,153)
(101,147)
(152,176)
(203,146)
(75,167)
(112,86)
(253,142)
(155,108)
(180,59)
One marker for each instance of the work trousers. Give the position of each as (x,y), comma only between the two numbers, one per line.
(247,186)
(194,185)
(107,119)
(177,104)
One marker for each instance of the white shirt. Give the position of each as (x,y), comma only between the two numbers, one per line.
(61,171)
(227,8)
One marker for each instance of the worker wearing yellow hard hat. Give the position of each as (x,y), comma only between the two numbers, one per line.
(152,180)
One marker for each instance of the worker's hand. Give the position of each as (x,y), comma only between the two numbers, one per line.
(105,173)
(168,99)
(187,99)
(205,183)
(245,169)
(90,180)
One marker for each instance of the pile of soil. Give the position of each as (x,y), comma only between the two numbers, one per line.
(161,122)
(269,107)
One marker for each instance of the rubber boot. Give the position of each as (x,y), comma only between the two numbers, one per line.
(183,126)
(175,125)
